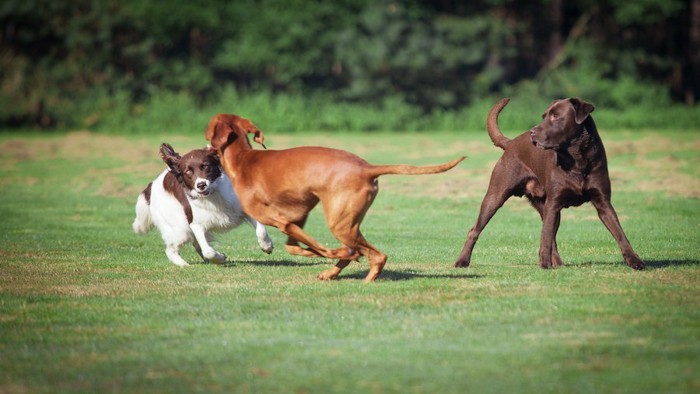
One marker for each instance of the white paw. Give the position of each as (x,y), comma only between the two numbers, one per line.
(180,263)
(266,245)
(218,258)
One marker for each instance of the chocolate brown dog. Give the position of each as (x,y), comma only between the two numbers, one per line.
(280,187)
(558,164)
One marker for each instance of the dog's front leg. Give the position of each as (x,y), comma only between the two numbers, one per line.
(608,216)
(261,232)
(173,253)
(207,251)
(550,226)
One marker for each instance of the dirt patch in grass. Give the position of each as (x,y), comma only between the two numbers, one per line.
(655,164)
(652,163)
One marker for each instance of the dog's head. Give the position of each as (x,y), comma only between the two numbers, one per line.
(560,123)
(226,130)
(197,171)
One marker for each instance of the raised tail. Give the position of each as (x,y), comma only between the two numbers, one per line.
(406,169)
(143,223)
(492,125)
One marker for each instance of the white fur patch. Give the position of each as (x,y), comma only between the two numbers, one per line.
(218,211)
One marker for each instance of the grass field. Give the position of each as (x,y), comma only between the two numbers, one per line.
(88,306)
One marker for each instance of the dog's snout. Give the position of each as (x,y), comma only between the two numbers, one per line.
(201,185)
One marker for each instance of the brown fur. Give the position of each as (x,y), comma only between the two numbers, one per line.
(558,164)
(280,187)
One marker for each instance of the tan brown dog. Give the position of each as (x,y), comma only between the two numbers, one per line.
(559,163)
(280,187)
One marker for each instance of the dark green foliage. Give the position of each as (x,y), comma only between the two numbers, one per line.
(438,62)
(98,64)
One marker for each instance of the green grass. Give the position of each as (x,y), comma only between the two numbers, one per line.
(86,305)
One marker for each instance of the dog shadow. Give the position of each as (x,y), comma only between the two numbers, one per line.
(649,264)
(656,264)
(275,263)
(387,274)
(396,276)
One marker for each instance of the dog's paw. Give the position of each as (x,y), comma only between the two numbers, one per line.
(329,274)
(266,245)
(218,258)
(462,263)
(634,262)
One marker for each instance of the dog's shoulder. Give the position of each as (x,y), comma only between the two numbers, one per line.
(168,195)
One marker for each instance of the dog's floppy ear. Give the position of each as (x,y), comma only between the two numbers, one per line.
(247,126)
(170,157)
(582,108)
(218,132)
(214,154)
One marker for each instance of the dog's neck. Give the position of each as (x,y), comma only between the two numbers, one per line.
(577,155)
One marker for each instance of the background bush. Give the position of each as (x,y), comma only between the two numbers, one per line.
(135,65)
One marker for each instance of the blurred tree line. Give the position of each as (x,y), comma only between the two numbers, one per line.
(73,63)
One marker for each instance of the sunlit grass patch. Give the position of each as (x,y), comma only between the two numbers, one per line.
(86,305)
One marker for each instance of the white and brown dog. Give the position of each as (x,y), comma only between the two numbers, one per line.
(188,200)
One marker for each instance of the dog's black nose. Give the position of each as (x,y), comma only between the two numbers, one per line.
(201,185)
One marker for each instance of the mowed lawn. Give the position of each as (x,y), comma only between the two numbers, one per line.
(88,306)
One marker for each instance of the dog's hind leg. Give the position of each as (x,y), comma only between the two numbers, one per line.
(297,234)
(292,246)
(354,239)
(343,218)
(496,196)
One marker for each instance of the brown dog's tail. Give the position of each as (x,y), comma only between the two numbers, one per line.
(405,169)
(492,125)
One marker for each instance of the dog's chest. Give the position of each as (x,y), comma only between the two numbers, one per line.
(217,211)
(572,192)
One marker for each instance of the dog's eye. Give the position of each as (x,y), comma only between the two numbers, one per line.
(189,171)
(205,167)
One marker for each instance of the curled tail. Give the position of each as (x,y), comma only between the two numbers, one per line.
(406,169)
(143,223)
(492,125)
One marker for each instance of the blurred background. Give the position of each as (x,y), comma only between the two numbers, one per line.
(134,66)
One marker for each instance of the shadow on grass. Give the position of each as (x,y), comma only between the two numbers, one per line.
(650,264)
(389,275)
(386,273)
(277,263)
(670,263)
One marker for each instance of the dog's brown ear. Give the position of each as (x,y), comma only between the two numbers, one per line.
(247,126)
(170,157)
(259,137)
(218,132)
(582,108)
